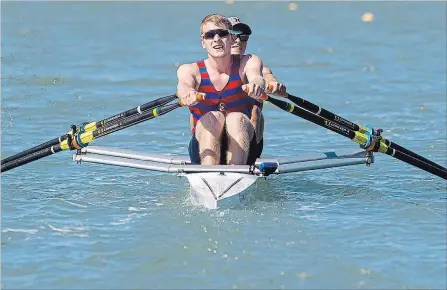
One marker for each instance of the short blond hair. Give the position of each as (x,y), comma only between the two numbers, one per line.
(217,19)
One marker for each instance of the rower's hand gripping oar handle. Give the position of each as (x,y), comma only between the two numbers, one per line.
(265,96)
(199,96)
(279,94)
(260,82)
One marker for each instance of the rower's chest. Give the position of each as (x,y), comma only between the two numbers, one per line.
(219,80)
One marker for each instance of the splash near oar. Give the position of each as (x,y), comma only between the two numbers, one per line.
(92,126)
(366,140)
(81,138)
(355,127)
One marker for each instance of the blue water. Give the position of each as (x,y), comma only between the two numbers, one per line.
(87,226)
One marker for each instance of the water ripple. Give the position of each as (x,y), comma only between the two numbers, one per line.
(67,225)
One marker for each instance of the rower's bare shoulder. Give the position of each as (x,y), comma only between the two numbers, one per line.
(189,74)
(188,70)
(247,57)
(251,58)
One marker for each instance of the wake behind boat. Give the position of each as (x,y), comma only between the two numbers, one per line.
(220,186)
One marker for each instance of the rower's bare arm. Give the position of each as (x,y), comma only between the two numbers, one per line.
(186,86)
(253,73)
(273,86)
(268,75)
(253,69)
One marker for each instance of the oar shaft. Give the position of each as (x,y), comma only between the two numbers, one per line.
(417,163)
(88,137)
(324,113)
(35,149)
(95,125)
(411,153)
(355,136)
(353,126)
(333,126)
(85,138)
(134,111)
(133,120)
(31,157)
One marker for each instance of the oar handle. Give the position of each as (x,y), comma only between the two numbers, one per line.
(279,94)
(265,96)
(199,96)
(262,98)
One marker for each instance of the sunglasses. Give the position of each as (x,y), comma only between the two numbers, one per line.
(221,32)
(243,37)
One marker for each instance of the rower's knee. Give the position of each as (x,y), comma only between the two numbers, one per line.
(240,132)
(211,123)
(239,128)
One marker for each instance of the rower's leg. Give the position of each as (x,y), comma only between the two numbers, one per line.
(209,135)
(257,143)
(239,132)
(257,120)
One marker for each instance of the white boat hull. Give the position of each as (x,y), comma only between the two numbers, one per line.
(220,190)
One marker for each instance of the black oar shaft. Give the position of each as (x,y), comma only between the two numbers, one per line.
(95,125)
(417,163)
(356,136)
(88,137)
(411,153)
(35,149)
(353,126)
(134,111)
(295,110)
(31,157)
(133,120)
(323,112)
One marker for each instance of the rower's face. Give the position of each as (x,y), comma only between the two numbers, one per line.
(238,46)
(216,40)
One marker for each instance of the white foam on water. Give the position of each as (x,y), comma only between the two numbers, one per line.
(72,203)
(131,208)
(8,230)
(67,230)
